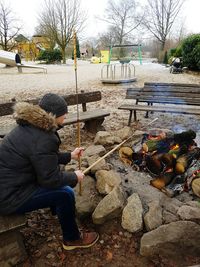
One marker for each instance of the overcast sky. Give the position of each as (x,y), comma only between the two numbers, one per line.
(27,11)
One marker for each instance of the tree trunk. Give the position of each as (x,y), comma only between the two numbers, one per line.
(63,55)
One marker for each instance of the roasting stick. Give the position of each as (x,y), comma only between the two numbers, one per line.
(78,119)
(115,148)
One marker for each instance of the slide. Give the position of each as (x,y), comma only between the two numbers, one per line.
(14,60)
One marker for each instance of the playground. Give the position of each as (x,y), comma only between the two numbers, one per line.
(60,79)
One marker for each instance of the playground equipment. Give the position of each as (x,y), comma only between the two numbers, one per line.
(14,60)
(104,58)
(131,45)
(105,54)
(95,60)
(120,73)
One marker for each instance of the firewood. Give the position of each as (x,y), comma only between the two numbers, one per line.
(162,181)
(125,154)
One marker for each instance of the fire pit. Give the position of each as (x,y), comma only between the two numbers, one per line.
(172,159)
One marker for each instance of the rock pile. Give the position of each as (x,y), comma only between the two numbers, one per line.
(171,226)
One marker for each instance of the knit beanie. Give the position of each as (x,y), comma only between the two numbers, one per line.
(54,104)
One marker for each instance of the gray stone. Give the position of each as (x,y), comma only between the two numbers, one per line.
(94,150)
(106,181)
(132,214)
(175,239)
(105,138)
(101,165)
(169,217)
(87,202)
(189,213)
(153,218)
(170,204)
(195,204)
(110,206)
(184,197)
(124,133)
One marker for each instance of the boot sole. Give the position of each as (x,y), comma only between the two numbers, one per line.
(81,246)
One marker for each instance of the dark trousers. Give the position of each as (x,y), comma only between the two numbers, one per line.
(61,201)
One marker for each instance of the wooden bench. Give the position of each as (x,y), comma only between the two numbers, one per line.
(169,96)
(93,118)
(12,250)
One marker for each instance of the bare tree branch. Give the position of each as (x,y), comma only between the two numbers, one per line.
(122,17)
(58,19)
(9,27)
(160,17)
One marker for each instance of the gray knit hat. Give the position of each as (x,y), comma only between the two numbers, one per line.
(54,104)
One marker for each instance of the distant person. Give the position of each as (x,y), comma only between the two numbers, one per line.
(30,175)
(176,62)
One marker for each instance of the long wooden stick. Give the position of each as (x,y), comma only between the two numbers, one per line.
(115,148)
(78,120)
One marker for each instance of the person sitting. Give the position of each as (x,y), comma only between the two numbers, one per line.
(30,174)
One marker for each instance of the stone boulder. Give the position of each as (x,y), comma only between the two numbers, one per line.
(124,133)
(132,214)
(87,202)
(175,239)
(189,213)
(110,206)
(153,218)
(94,150)
(105,138)
(106,181)
(101,165)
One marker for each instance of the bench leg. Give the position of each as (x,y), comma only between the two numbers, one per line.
(147,113)
(135,115)
(94,126)
(130,118)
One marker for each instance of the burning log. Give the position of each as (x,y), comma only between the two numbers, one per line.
(185,160)
(161,182)
(185,138)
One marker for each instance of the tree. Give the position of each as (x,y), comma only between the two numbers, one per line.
(191,52)
(123,19)
(9,27)
(78,53)
(58,20)
(160,17)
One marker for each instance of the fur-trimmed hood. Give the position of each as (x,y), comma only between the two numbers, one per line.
(26,113)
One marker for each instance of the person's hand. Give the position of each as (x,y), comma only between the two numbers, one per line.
(78,152)
(80,175)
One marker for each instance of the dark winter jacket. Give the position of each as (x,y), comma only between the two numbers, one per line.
(30,158)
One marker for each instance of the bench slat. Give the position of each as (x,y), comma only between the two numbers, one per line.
(170,100)
(195,111)
(87,115)
(171,84)
(7,108)
(164,93)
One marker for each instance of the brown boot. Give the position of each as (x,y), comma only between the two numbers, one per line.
(87,240)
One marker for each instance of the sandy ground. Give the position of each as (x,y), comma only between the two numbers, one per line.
(60,79)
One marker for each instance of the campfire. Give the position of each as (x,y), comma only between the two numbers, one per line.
(172,159)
